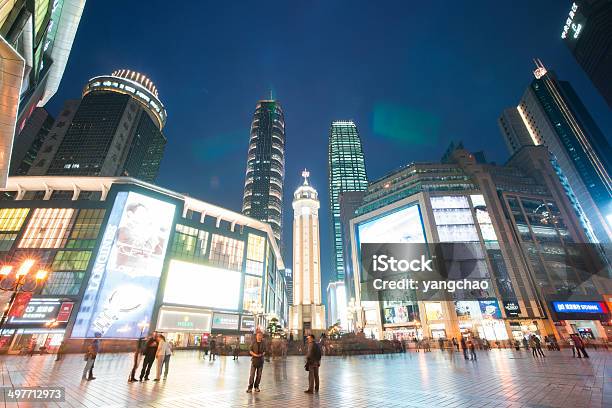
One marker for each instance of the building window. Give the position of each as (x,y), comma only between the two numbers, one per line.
(71,260)
(226,252)
(189,243)
(86,229)
(11,221)
(47,228)
(252,293)
(63,283)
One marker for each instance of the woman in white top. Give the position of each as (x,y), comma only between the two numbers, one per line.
(162,347)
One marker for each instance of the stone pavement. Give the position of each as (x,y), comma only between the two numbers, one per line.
(499,378)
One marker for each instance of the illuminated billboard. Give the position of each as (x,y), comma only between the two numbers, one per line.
(47,228)
(191,284)
(401,226)
(123,284)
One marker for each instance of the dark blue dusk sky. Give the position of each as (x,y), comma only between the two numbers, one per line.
(413,76)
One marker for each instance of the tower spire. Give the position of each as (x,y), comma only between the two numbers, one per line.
(305,174)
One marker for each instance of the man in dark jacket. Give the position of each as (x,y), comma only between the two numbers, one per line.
(257,352)
(313,362)
(149,352)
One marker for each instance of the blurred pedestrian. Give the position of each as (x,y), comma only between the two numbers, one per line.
(213,349)
(313,362)
(60,351)
(137,354)
(236,352)
(90,357)
(464,347)
(163,350)
(455,344)
(472,347)
(579,344)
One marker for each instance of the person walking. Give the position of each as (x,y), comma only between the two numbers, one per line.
(472,347)
(167,354)
(236,351)
(313,362)
(257,352)
(163,349)
(580,347)
(464,347)
(137,353)
(536,346)
(149,353)
(455,344)
(90,358)
(60,351)
(213,349)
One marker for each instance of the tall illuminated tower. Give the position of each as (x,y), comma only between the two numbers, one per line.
(346,172)
(265,171)
(307,314)
(116,130)
(551,114)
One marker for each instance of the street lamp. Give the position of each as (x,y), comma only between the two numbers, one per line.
(21,278)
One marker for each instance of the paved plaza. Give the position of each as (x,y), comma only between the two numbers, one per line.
(500,378)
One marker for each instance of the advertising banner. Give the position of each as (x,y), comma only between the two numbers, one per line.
(19,305)
(178,321)
(123,284)
(225,321)
(38,310)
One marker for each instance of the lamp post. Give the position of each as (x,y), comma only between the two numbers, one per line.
(19,285)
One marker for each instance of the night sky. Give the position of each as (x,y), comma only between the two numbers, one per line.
(412,75)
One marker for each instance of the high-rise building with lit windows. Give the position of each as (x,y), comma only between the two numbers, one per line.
(116,130)
(551,114)
(587,32)
(35,41)
(346,172)
(265,171)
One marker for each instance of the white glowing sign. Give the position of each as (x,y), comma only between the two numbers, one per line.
(570,24)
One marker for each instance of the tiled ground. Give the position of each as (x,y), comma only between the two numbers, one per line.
(500,378)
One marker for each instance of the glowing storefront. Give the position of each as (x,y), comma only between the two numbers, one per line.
(128,258)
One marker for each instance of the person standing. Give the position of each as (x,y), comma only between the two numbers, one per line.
(580,348)
(236,351)
(313,362)
(163,349)
(213,349)
(149,357)
(257,352)
(464,347)
(137,354)
(167,354)
(455,344)
(536,346)
(472,347)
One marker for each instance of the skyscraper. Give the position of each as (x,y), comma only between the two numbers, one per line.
(552,115)
(307,314)
(116,130)
(29,141)
(35,41)
(346,172)
(265,170)
(587,32)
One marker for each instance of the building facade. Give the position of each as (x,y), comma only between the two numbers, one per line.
(29,141)
(587,32)
(553,116)
(289,284)
(116,130)
(307,314)
(126,258)
(35,41)
(526,240)
(265,171)
(346,172)
(337,304)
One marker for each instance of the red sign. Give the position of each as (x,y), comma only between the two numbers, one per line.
(64,312)
(19,305)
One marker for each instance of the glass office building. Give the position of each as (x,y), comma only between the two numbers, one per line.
(526,242)
(126,258)
(265,171)
(116,130)
(553,115)
(346,172)
(587,32)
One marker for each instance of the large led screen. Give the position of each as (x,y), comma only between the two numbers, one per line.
(123,284)
(398,227)
(201,285)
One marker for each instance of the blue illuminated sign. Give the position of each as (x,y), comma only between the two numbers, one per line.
(579,307)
